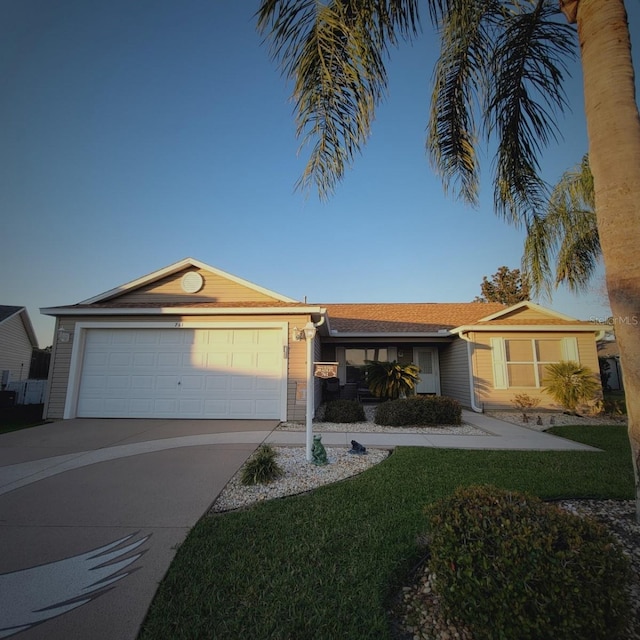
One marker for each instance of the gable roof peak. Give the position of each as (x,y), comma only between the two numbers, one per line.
(528,305)
(185,263)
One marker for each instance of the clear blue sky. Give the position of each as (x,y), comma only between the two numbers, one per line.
(134,133)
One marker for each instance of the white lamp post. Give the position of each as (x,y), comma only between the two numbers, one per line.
(310,334)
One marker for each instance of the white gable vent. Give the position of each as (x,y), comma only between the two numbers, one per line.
(192,282)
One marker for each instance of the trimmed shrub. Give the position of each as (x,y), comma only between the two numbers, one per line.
(262,467)
(419,411)
(511,566)
(344,411)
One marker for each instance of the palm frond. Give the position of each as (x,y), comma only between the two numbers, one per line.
(453,134)
(528,67)
(334,52)
(567,235)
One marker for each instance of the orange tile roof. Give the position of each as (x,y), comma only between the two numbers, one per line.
(406,317)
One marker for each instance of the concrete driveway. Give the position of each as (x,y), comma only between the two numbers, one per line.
(92,511)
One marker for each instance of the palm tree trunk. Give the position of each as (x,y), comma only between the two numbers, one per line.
(613,126)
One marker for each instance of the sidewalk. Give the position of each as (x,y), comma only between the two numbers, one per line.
(499,435)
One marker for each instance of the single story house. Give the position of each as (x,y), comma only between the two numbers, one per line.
(191,341)
(17,342)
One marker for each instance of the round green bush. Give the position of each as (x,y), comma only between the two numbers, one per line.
(344,411)
(262,467)
(511,566)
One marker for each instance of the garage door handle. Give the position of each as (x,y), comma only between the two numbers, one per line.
(179,383)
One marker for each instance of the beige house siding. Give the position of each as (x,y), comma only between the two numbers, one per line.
(61,356)
(454,372)
(491,398)
(525,314)
(215,289)
(15,348)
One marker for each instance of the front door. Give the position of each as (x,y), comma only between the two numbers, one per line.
(427,359)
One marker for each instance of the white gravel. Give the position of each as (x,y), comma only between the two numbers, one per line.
(551,418)
(299,476)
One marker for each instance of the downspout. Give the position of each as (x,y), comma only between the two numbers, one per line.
(472,388)
(310,334)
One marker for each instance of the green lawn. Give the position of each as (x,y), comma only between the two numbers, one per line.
(326,564)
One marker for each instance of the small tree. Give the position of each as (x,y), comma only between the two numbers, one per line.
(507,286)
(570,384)
(390,380)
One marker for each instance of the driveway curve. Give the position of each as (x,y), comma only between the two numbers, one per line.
(92,512)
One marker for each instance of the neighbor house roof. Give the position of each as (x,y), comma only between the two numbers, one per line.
(8,311)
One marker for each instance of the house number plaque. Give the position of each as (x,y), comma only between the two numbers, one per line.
(325,369)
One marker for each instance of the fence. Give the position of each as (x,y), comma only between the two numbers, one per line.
(28,391)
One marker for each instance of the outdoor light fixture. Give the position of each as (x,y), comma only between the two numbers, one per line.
(63,334)
(309,331)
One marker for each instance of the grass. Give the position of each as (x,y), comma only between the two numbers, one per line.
(327,564)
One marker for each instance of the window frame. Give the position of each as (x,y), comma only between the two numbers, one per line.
(501,378)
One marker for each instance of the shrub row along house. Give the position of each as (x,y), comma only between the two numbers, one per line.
(191,341)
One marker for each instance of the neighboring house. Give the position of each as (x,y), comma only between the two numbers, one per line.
(608,352)
(17,342)
(191,341)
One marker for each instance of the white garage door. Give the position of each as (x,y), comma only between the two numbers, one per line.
(182,373)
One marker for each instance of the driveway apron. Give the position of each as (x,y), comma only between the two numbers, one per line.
(92,513)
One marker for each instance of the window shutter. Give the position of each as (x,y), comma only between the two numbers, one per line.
(499,363)
(570,349)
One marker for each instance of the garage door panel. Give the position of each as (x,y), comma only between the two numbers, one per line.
(118,382)
(268,385)
(208,373)
(167,382)
(169,360)
(217,383)
(141,406)
(143,360)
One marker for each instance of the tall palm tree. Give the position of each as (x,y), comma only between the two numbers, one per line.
(499,77)
(562,245)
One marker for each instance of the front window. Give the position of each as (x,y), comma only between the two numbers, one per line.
(356,360)
(527,360)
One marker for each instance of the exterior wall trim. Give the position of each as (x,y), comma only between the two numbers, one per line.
(183,311)
(77,352)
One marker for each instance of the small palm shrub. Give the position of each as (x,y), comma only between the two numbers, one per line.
(391,380)
(419,411)
(262,467)
(344,411)
(570,384)
(511,566)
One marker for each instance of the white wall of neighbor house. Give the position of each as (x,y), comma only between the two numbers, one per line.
(15,348)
